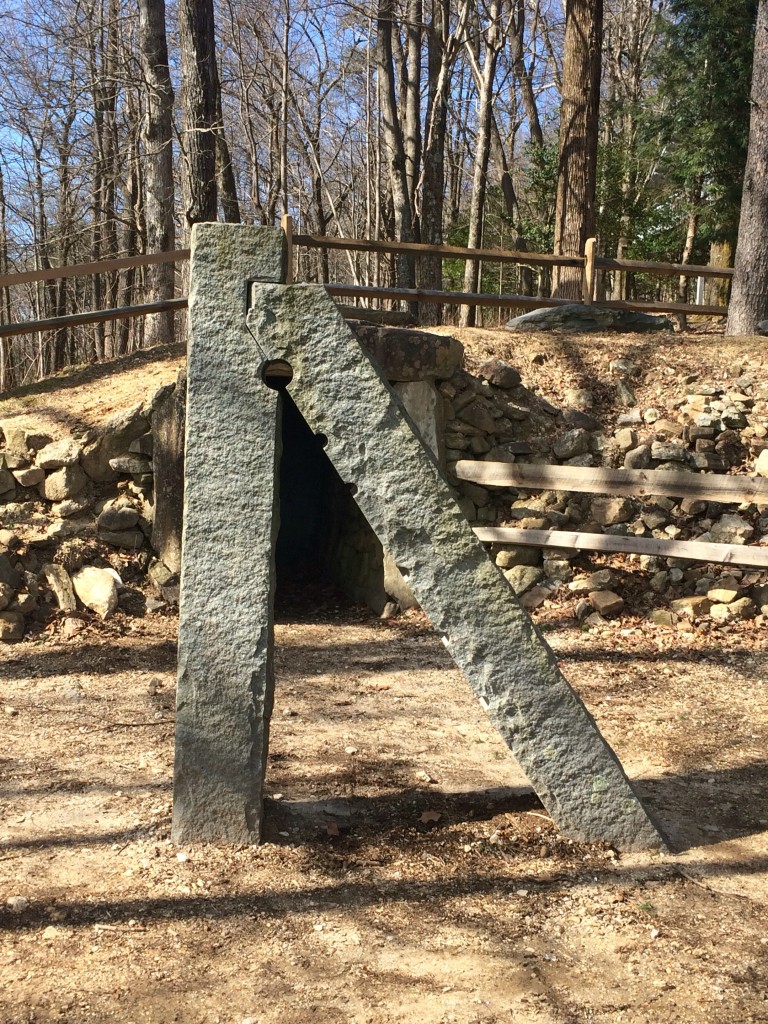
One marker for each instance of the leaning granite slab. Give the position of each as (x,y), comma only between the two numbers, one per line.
(399,487)
(578,316)
(225,676)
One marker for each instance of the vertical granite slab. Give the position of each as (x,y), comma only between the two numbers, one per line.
(225,676)
(400,489)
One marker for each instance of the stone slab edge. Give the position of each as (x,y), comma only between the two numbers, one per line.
(225,674)
(401,491)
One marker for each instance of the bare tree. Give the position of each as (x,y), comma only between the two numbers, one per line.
(158,171)
(493,41)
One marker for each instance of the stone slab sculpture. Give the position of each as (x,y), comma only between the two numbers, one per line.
(225,681)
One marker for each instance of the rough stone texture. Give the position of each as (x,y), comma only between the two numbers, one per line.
(30,477)
(133,465)
(61,585)
(691,607)
(131,540)
(7,482)
(7,594)
(576,316)
(405,499)
(411,355)
(572,443)
(11,626)
(97,589)
(9,575)
(606,602)
(608,511)
(58,453)
(225,677)
(499,373)
(522,577)
(168,422)
(424,406)
(118,434)
(121,517)
(63,483)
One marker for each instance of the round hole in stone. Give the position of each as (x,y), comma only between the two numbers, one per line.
(322,440)
(277,374)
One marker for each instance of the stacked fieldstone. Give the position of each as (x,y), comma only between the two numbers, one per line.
(714,428)
(71,500)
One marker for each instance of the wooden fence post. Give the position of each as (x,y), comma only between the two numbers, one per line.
(588,281)
(286,223)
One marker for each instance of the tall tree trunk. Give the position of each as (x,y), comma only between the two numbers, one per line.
(394,146)
(198,102)
(493,43)
(158,164)
(749,291)
(577,163)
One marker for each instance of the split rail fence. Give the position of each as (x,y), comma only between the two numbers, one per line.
(590,264)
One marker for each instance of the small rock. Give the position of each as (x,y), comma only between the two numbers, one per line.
(17,904)
(511,557)
(582,610)
(500,374)
(70,506)
(668,451)
(572,443)
(638,458)
(118,518)
(535,598)
(761,465)
(133,465)
(131,540)
(724,592)
(58,454)
(626,438)
(607,511)
(731,529)
(601,580)
(693,607)
(97,589)
(606,602)
(625,395)
(662,617)
(30,477)
(11,626)
(63,483)
(7,594)
(523,577)
(61,585)
(651,415)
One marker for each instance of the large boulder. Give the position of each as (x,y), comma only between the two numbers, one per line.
(577,316)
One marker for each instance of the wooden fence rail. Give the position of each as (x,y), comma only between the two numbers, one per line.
(638,483)
(590,264)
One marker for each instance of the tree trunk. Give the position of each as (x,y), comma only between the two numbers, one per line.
(577,164)
(716,289)
(394,146)
(158,164)
(493,44)
(198,102)
(749,291)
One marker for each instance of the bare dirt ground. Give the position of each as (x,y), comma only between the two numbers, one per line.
(407,873)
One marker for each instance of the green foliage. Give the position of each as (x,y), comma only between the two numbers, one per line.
(701,122)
